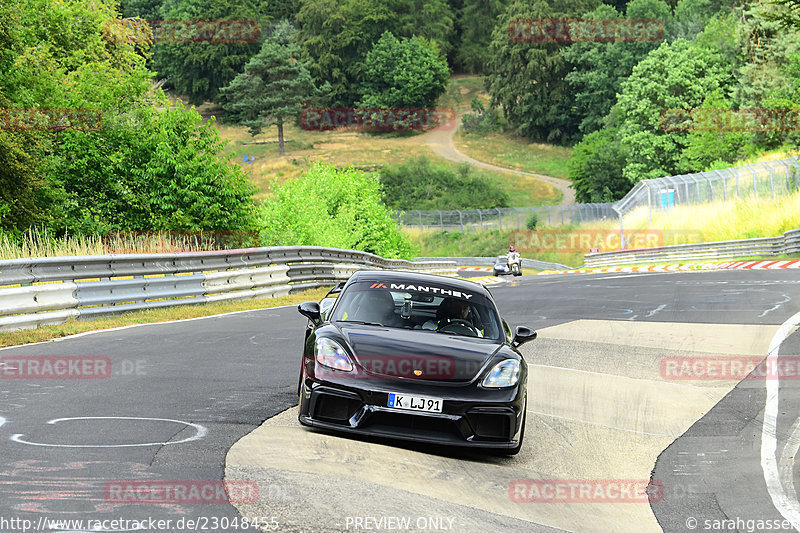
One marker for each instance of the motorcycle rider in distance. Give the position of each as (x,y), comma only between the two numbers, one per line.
(514,262)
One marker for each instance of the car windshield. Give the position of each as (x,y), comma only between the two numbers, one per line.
(418,306)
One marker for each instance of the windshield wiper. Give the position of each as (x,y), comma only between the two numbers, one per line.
(362,322)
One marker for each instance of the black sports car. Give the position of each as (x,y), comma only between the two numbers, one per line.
(416,357)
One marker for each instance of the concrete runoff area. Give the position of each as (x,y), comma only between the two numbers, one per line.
(599,408)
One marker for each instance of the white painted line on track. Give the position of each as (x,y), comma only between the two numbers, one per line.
(786,503)
(2,421)
(201,431)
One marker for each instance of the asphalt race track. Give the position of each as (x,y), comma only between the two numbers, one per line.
(186,404)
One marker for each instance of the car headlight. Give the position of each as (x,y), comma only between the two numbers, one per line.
(504,374)
(330,354)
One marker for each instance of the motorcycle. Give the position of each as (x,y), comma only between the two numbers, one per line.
(514,263)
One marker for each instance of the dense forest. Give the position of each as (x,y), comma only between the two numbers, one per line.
(153,164)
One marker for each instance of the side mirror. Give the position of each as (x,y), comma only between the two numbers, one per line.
(522,335)
(311,311)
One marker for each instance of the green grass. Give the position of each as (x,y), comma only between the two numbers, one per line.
(460,92)
(366,150)
(511,151)
(719,221)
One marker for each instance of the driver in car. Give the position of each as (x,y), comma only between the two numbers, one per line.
(451,311)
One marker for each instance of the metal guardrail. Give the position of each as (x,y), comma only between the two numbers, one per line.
(788,243)
(50,290)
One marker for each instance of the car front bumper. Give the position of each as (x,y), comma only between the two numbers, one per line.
(471,416)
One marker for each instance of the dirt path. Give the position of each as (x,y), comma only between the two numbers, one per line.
(441,142)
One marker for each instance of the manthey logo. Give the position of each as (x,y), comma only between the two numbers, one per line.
(421,288)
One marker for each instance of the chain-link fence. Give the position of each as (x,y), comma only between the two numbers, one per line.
(505,218)
(767,179)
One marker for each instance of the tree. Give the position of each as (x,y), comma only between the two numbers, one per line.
(596,167)
(197,70)
(528,79)
(706,147)
(600,68)
(677,75)
(337,35)
(151,170)
(274,86)
(403,73)
(475,23)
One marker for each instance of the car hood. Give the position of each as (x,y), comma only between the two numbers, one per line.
(415,354)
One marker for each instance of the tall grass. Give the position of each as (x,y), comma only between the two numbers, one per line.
(718,221)
(41,243)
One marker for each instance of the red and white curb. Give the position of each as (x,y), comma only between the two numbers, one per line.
(476,269)
(489,280)
(736,265)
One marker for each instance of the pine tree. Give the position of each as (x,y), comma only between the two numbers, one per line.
(274,86)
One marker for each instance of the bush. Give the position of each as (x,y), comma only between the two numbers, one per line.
(532,221)
(482,121)
(596,168)
(403,73)
(330,207)
(420,184)
(150,170)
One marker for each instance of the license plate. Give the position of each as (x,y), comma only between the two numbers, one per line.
(415,403)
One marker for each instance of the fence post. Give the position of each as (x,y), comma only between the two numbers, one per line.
(441,221)
(782,162)
(460,220)
(755,187)
(724,185)
(771,182)
(548,215)
(499,218)
(649,204)
(517,211)
(480,215)
(420,219)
